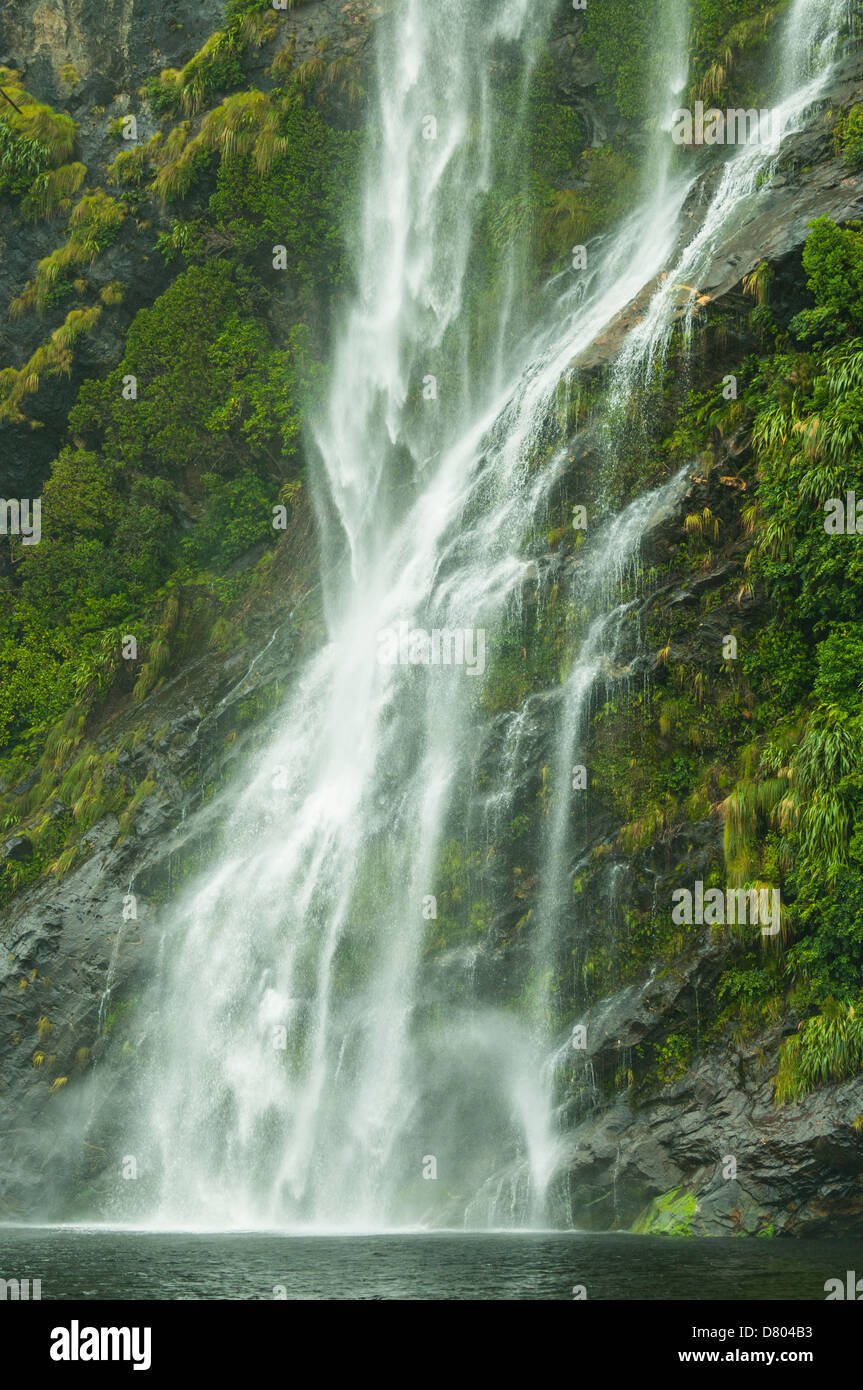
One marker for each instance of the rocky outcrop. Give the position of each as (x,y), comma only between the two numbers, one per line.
(810,181)
(713,1145)
(79,53)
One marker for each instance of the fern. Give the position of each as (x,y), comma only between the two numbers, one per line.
(827,1048)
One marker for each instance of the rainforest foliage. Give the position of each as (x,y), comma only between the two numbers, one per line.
(727,51)
(770,743)
(175,459)
(158,510)
(794,814)
(806,404)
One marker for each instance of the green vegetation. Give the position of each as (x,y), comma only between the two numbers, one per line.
(826,1048)
(768,746)
(722,44)
(668,1215)
(726,50)
(626,66)
(36,145)
(32,138)
(573,215)
(215,422)
(462,913)
(794,811)
(52,358)
(94,225)
(537,161)
(177,455)
(833,260)
(52,190)
(215,68)
(21,161)
(848,137)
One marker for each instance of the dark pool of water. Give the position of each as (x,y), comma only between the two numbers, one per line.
(81,1263)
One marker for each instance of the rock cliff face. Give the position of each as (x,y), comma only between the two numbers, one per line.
(705,1152)
(81,53)
(710,1155)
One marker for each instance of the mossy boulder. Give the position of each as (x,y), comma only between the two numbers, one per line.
(667,1215)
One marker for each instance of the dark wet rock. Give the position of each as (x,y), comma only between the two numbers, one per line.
(16,849)
(717,1135)
(110,49)
(27,783)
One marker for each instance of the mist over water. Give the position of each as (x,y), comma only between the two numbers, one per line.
(305,1065)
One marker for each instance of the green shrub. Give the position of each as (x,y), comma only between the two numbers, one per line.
(848,138)
(94,225)
(297,200)
(52,190)
(238,515)
(22,160)
(53,133)
(621,32)
(833,260)
(214,69)
(825,1049)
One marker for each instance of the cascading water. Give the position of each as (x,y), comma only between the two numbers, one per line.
(302,1072)
(806,49)
(810,41)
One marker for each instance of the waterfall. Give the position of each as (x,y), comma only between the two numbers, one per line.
(302,1072)
(810,39)
(805,52)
